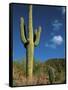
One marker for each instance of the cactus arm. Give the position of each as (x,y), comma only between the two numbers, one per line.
(37,36)
(22,32)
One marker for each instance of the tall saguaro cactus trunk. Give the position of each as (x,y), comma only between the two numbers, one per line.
(30,46)
(29,42)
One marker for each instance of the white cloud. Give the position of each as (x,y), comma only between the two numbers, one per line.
(51,45)
(56,25)
(57,40)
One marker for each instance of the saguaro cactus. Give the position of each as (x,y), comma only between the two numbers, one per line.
(29,42)
(51,73)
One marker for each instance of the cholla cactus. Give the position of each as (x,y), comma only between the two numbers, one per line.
(29,42)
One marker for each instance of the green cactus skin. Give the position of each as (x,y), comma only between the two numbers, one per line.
(51,73)
(29,42)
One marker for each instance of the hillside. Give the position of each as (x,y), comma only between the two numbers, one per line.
(50,72)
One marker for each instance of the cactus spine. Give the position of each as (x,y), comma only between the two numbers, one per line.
(29,42)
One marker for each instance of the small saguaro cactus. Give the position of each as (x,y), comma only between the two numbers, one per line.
(51,73)
(29,42)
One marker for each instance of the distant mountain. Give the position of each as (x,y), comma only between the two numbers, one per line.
(58,64)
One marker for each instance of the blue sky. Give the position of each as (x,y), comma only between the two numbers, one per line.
(52,40)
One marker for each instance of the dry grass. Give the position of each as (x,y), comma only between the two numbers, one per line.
(40,73)
(19,79)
